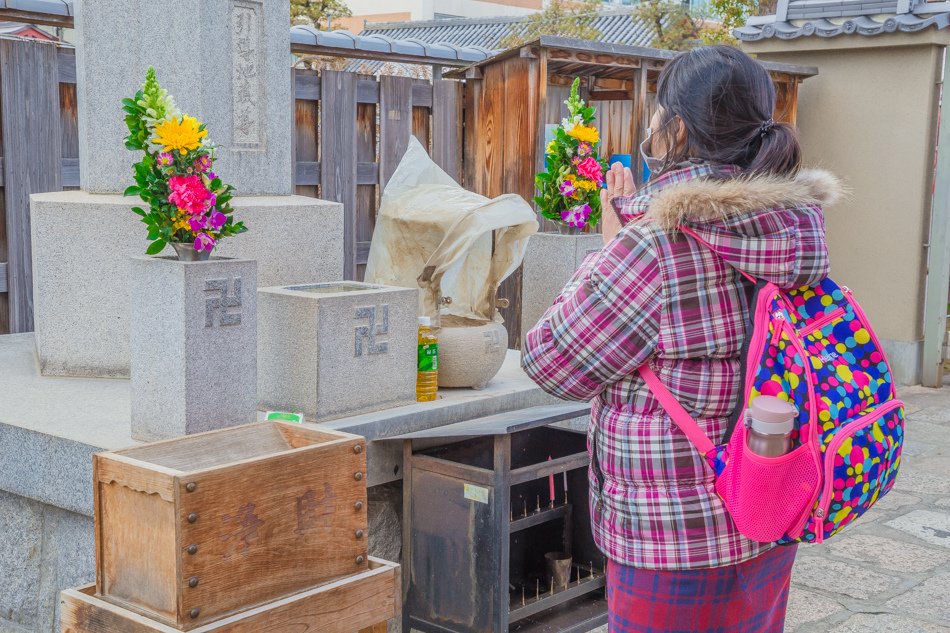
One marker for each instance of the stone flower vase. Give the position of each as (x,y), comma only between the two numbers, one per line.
(549,263)
(193,342)
(470,352)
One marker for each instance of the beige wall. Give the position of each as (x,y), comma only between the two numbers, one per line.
(869,116)
(426,9)
(355,23)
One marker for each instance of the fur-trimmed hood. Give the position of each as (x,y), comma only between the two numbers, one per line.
(767,226)
(706,200)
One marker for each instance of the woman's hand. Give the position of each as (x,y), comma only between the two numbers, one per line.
(619,184)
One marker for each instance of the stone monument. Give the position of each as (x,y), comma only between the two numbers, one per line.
(194,345)
(549,263)
(337,349)
(228,63)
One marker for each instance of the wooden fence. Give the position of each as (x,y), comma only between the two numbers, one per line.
(351,131)
(39,151)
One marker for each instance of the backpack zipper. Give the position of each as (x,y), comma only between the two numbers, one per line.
(777,330)
(822,321)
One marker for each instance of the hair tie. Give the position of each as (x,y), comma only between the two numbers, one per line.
(766,127)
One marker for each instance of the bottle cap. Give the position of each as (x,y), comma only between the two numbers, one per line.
(772,416)
(426,321)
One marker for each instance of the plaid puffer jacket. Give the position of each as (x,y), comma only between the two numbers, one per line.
(655,294)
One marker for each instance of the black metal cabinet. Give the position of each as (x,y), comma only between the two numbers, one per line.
(479,518)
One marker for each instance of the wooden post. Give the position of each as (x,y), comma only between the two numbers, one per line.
(366,198)
(447,126)
(338,156)
(32,160)
(395,120)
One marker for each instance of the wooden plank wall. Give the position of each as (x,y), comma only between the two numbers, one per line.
(31,149)
(369,122)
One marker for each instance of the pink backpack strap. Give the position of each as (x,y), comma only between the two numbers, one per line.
(675,410)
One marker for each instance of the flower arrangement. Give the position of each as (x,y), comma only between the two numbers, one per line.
(188,203)
(569,189)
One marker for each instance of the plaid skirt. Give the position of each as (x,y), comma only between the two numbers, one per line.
(749,597)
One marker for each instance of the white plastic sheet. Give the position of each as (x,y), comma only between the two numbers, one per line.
(433,234)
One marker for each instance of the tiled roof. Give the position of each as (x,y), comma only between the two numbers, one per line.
(383,45)
(830,18)
(616,26)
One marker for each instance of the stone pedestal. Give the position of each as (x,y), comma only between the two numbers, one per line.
(82,245)
(226,62)
(194,345)
(330,350)
(549,263)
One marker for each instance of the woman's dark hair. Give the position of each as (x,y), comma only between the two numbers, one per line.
(726,99)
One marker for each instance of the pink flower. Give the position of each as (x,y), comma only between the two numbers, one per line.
(584,148)
(590,168)
(189,193)
(203,241)
(576,216)
(165,159)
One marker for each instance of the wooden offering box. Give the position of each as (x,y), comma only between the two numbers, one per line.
(361,602)
(196,528)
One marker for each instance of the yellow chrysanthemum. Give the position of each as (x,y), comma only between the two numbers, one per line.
(584,133)
(551,148)
(182,135)
(181,221)
(589,185)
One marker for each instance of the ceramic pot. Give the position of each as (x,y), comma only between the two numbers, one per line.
(470,352)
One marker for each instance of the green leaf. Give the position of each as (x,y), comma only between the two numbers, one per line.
(132,191)
(156,247)
(139,211)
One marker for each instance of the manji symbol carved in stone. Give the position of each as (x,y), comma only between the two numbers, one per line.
(368,333)
(219,306)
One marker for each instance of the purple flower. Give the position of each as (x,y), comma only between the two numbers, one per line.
(576,216)
(211,175)
(203,163)
(203,241)
(567,188)
(165,159)
(217,220)
(197,223)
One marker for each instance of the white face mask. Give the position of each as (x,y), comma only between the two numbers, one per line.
(655,165)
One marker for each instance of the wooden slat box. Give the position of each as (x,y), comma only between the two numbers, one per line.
(196,528)
(354,603)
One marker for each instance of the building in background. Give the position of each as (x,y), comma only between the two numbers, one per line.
(616,26)
(18,29)
(388,11)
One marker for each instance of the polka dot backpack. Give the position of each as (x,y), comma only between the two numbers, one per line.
(815,348)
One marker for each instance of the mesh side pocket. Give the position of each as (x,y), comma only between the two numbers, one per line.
(768,497)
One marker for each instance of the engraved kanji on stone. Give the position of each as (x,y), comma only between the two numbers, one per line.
(368,333)
(247,74)
(218,309)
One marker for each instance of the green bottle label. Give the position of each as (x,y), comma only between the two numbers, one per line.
(429,357)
